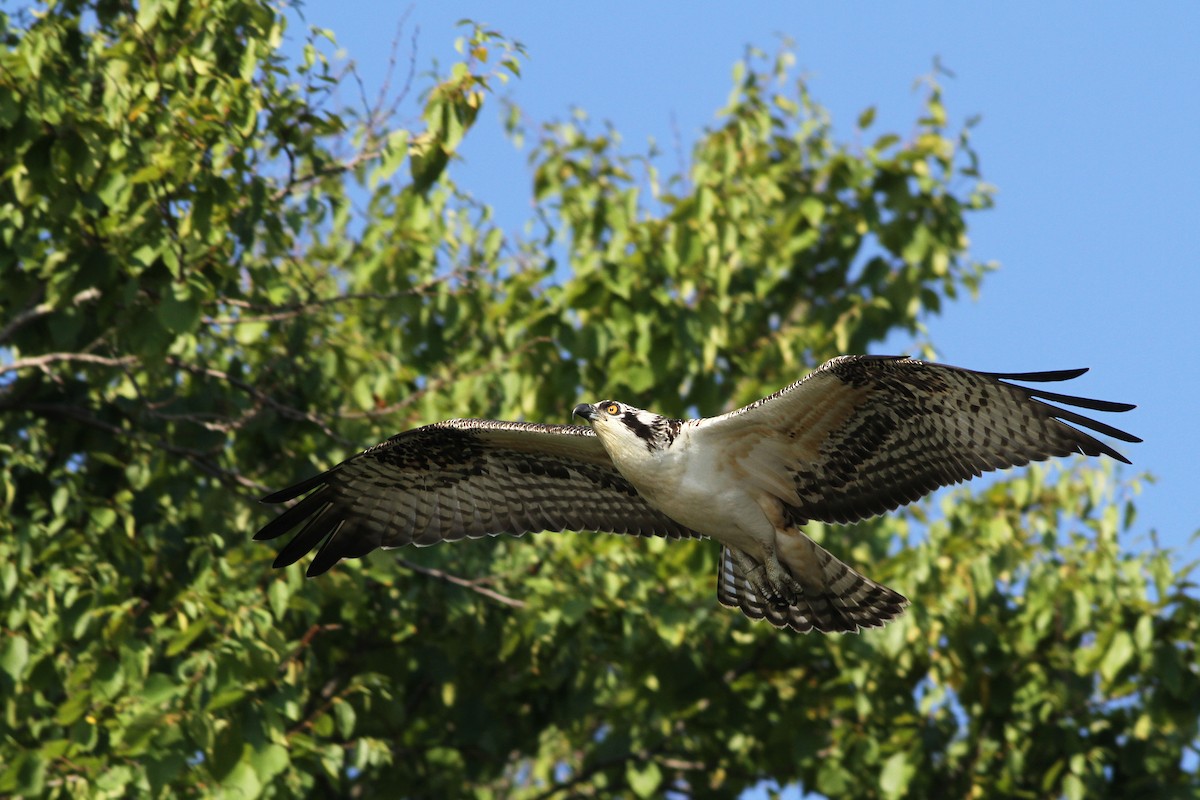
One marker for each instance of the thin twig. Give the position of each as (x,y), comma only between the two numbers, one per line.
(41,310)
(386,86)
(306,641)
(435,384)
(332,694)
(277,313)
(337,168)
(586,774)
(284,409)
(463,582)
(197,458)
(44,361)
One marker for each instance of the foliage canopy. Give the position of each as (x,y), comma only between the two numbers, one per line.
(216,280)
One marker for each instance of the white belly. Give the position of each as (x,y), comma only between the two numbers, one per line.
(697,494)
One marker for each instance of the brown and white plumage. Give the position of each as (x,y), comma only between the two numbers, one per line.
(859,436)
(462,478)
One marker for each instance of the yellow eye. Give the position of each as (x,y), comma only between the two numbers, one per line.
(612,408)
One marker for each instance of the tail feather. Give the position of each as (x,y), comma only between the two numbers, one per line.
(835,597)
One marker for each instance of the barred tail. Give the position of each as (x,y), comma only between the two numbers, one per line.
(835,598)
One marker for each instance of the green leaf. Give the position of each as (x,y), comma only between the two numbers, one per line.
(58,502)
(147,14)
(344,717)
(242,781)
(159,688)
(73,708)
(394,153)
(108,679)
(178,316)
(29,775)
(643,778)
(813,210)
(896,774)
(8,577)
(270,762)
(1116,656)
(226,697)
(181,640)
(278,594)
(1143,633)
(14,656)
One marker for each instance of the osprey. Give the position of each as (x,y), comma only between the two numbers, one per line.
(859,436)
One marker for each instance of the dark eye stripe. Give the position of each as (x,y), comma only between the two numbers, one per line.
(640,428)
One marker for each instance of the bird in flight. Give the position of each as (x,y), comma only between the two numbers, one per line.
(859,436)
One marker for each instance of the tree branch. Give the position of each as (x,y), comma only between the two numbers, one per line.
(42,362)
(40,310)
(277,313)
(259,395)
(306,641)
(474,586)
(435,384)
(201,460)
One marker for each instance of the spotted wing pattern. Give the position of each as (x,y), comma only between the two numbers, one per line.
(866,434)
(462,478)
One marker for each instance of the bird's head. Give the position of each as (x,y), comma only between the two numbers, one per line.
(623,428)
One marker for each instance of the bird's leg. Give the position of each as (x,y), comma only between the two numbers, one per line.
(769,578)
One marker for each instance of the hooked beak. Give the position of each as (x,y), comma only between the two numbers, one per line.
(585,410)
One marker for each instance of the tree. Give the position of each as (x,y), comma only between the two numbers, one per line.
(216,281)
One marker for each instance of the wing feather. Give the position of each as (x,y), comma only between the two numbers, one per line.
(867,434)
(461,478)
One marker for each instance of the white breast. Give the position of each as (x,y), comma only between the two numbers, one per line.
(695,488)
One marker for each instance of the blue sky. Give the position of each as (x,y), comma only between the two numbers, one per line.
(1090,130)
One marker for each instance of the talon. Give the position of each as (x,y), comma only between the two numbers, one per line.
(770,580)
(787,590)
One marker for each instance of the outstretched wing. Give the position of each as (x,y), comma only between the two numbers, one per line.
(459,478)
(866,434)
